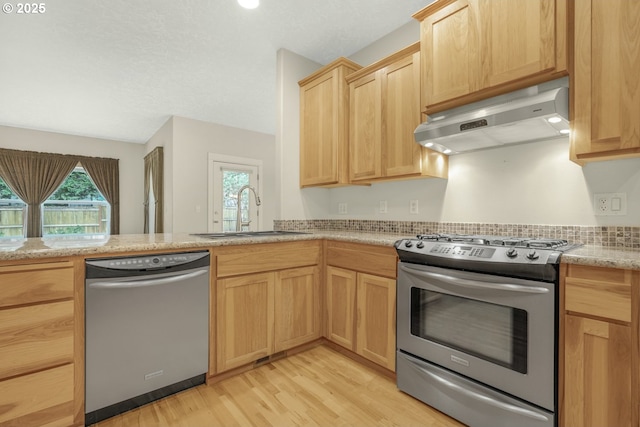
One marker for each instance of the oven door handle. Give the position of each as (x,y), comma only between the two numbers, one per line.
(485,399)
(458,281)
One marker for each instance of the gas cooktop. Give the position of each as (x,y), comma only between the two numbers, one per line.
(527,257)
(480,239)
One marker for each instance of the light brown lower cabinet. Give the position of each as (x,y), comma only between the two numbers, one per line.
(361,300)
(267,301)
(244,319)
(297,307)
(597,373)
(38,399)
(341,306)
(600,349)
(361,314)
(376,319)
(41,363)
(265,313)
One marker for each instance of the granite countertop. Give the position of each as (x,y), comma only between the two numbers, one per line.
(601,256)
(90,246)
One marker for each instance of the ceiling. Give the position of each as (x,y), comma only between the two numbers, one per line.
(118,69)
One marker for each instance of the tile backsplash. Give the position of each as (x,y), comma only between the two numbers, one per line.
(610,236)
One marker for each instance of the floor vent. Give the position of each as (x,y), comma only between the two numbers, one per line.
(278,355)
(271,358)
(261,360)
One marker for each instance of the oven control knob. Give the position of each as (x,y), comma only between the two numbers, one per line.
(512,253)
(420,245)
(408,243)
(533,255)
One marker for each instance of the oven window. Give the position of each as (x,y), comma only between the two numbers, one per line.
(488,331)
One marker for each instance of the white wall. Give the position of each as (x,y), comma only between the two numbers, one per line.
(525,184)
(531,183)
(404,36)
(187,165)
(130,155)
(294,204)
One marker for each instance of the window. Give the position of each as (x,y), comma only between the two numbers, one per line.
(76,208)
(13,214)
(35,176)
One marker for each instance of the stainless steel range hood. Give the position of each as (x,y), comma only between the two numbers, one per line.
(531,114)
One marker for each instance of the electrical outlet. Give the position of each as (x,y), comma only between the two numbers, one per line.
(605,204)
(342,208)
(413,207)
(383,206)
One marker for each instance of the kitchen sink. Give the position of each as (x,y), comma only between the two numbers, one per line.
(240,234)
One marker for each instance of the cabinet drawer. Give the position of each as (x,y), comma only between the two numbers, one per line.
(43,398)
(244,259)
(600,292)
(377,260)
(35,337)
(25,284)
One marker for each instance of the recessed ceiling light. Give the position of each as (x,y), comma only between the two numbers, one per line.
(555,119)
(428,144)
(447,151)
(249,4)
(565,131)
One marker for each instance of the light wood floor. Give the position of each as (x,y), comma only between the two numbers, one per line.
(318,387)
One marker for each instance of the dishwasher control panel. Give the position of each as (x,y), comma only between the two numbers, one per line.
(146,262)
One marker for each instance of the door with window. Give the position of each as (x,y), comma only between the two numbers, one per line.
(228,178)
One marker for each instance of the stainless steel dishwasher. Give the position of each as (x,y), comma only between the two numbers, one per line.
(147,329)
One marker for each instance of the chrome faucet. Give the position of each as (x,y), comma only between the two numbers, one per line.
(239,222)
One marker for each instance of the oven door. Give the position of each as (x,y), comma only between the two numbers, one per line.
(496,330)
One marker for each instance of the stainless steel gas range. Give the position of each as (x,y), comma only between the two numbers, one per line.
(477,330)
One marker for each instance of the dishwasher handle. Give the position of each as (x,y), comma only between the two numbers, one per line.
(129,284)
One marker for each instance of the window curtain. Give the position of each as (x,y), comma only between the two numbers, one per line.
(154,166)
(34,177)
(105,174)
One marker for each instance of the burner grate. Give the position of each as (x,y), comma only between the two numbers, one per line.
(521,242)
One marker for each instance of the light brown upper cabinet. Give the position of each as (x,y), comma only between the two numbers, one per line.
(475,49)
(324,125)
(605,90)
(384,110)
